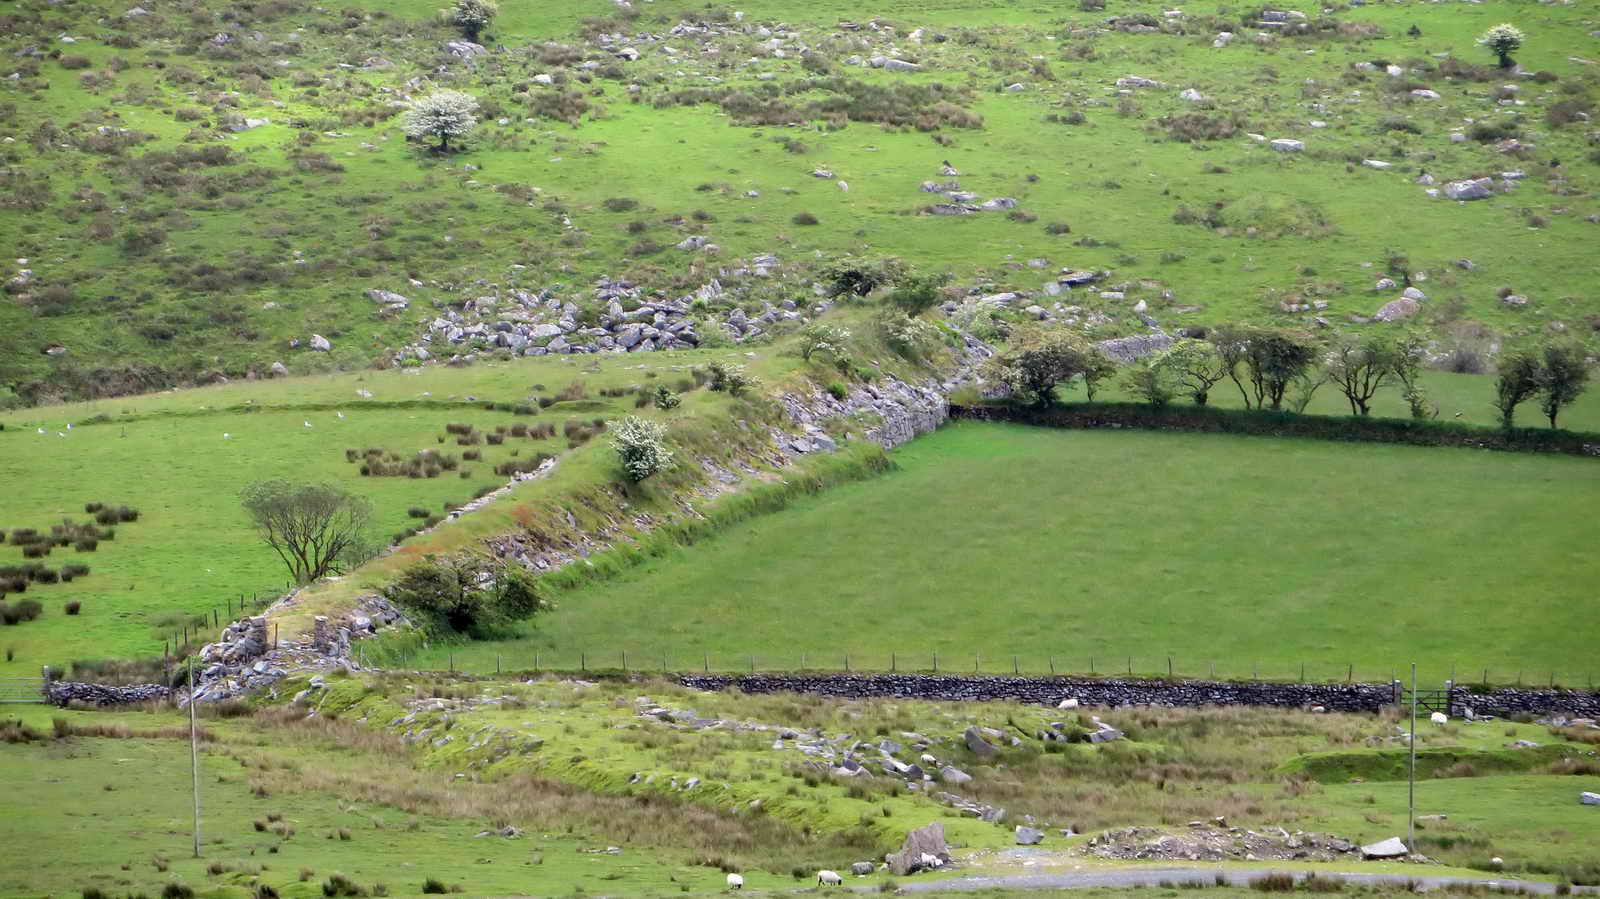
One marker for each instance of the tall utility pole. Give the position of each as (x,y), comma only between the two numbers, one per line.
(194,760)
(1411,790)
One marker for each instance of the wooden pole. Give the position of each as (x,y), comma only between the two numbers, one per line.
(1411,792)
(194,760)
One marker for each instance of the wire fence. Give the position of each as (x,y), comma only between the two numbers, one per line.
(486,659)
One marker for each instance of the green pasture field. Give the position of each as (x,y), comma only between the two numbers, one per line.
(193,550)
(226,291)
(1233,556)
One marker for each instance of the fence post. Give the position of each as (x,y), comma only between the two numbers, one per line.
(536,661)
(624,661)
(497,663)
(1052,666)
(706,661)
(1014,667)
(936,661)
(1302,672)
(893,661)
(1130,666)
(1091,665)
(583,662)
(847,661)
(1169,667)
(1350,673)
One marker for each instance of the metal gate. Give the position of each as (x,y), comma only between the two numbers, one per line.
(1427,700)
(21,689)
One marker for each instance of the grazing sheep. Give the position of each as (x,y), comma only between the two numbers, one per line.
(829,879)
(306,423)
(735,882)
(1439,718)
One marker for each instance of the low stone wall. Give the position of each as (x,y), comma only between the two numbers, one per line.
(62,693)
(1052,690)
(1508,701)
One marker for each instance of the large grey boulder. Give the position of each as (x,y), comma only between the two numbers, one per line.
(1397,310)
(1288,145)
(975,742)
(927,840)
(954,775)
(386,297)
(900,65)
(1469,190)
(1028,836)
(862,869)
(1390,848)
(465,49)
(318,342)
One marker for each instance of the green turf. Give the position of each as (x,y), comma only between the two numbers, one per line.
(1233,556)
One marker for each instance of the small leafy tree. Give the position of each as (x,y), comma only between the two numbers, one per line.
(1152,382)
(732,378)
(641,445)
(860,277)
(915,294)
(1563,379)
(1521,376)
(465,594)
(1194,367)
(472,16)
(316,529)
(1271,360)
(1409,353)
(1037,359)
(442,114)
(818,338)
(1096,368)
(665,399)
(1360,367)
(1504,40)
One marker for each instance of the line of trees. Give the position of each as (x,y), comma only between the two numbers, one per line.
(1277,368)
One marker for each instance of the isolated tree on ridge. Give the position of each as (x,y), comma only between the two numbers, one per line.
(1503,39)
(472,16)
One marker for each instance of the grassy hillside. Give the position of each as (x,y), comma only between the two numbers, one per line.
(181,459)
(1236,556)
(163,246)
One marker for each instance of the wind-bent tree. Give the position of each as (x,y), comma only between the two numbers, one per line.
(442,114)
(1521,376)
(1564,376)
(1195,366)
(1361,367)
(1272,360)
(1504,40)
(314,528)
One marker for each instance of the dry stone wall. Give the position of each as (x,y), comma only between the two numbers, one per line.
(1053,690)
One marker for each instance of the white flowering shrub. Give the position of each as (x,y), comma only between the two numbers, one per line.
(641,445)
(911,338)
(829,339)
(473,16)
(1503,39)
(442,114)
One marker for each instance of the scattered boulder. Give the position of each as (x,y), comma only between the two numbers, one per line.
(387,298)
(862,869)
(1028,836)
(318,342)
(927,840)
(1396,310)
(951,775)
(465,49)
(1476,189)
(900,65)
(979,746)
(1588,798)
(1191,95)
(1390,848)
(1288,145)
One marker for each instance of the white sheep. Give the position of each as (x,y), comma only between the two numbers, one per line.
(1439,718)
(735,882)
(829,879)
